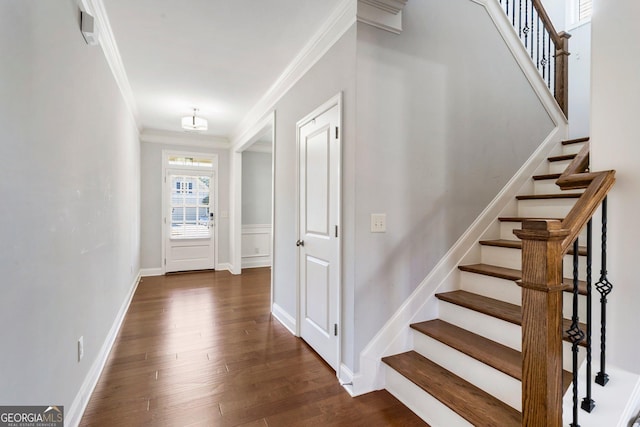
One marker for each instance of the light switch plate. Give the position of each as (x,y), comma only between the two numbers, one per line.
(378,223)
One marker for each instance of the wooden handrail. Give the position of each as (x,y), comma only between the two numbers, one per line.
(542,13)
(544,243)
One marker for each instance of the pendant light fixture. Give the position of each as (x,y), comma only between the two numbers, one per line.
(194,122)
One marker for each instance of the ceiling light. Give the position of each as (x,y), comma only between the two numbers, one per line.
(194,122)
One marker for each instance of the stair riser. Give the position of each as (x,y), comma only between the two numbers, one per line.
(558,167)
(507,227)
(548,186)
(427,407)
(572,148)
(545,208)
(509,291)
(489,327)
(495,329)
(494,382)
(512,258)
(492,287)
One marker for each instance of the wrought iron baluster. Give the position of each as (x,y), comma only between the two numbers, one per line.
(576,335)
(520,18)
(532,27)
(587,402)
(604,287)
(538,46)
(526,28)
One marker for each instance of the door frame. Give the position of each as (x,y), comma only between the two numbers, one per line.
(335,100)
(267,124)
(165,200)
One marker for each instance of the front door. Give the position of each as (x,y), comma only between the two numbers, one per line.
(319,244)
(189,221)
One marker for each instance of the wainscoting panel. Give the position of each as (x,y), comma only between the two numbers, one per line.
(256,245)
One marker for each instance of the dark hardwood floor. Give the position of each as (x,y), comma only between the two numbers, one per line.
(201,349)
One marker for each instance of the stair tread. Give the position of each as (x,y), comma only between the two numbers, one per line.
(546,176)
(517,244)
(470,402)
(492,307)
(499,356)
(575,140)
(524,218)
(515,275)
(549,196)
(561,157)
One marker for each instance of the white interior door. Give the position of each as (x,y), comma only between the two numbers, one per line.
(319,247)
(189,221)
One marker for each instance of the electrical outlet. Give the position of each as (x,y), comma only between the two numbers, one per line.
(256,250)
(80,348)
(378,223)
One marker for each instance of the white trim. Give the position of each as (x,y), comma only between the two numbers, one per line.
(79,404)
(335,100)
(183,139)
(342,18)
(147,272)
(519,52)
(345,377)
(395,336)
(165,207)
(383,14)
(112,54)
(284,318)
(262,259)
(223,266)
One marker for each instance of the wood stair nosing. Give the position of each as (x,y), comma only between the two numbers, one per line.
(517,244)
(548,196)
(575,140)
(515,275)
(498,356)
(561,157)
(522,218)
(545,176)
(499,309)
(470,402)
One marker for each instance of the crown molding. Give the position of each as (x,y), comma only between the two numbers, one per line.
(342,18)
(383,14)
(155,136)
(112,54)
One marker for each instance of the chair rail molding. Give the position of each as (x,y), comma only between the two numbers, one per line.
(383,14)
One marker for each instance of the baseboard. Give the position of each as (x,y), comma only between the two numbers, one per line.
(345,376)
(79,404)
(256,262)
(395,336)
(283,317)
(146,272)
(224,266)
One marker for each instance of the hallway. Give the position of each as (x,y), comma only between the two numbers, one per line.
(201,349)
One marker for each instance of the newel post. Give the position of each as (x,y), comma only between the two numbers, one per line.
(541,322)
(562,72)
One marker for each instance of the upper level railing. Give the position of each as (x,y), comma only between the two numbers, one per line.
(548,49)
(544,244)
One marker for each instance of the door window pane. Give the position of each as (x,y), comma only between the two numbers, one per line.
(190,207)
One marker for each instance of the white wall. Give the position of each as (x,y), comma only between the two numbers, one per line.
(256,187)
(70,189)
(151,201)
(333,73)
(579,81)
(445,118)
(615,129)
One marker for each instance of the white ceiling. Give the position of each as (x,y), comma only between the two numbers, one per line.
(220,56)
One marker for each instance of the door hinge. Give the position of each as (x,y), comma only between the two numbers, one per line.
(336,132)
(335,329)
(165,261)
(336,231)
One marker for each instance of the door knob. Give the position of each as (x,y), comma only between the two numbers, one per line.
(300,243)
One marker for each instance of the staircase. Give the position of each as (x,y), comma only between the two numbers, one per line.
(466,367)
